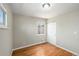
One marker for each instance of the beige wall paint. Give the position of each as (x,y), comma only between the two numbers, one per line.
(67,30)
(6,35)
(25,31)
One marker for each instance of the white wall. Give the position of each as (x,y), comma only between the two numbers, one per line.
(67,30)
(6,35)
(25,31)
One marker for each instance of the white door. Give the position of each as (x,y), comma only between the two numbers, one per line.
(51,32)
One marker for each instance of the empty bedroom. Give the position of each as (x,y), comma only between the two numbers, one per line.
(39,29)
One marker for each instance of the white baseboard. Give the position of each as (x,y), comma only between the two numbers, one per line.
(28,45)
(65,49)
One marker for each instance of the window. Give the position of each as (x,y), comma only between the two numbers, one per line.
(40,29)
(3,17)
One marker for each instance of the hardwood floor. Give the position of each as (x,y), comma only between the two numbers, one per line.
(44,49)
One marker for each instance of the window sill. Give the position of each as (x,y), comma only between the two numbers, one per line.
(3,27)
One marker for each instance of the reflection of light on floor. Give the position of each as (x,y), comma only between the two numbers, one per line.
(40,52)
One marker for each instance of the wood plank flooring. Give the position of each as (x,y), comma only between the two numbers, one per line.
(44,49)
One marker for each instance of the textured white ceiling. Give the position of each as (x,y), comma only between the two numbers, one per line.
(36,9)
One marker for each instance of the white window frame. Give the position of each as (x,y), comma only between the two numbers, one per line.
(5,21)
